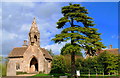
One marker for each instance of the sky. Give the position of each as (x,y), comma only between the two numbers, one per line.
(17,19)
(60,0)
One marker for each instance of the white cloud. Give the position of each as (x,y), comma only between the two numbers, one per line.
(16,0)
(26,4)
(8,36)
(25,27)
(115,36)
(60,0)
(17,20)
(55,47)
(46,10)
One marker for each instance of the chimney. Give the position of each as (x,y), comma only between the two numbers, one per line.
(25,43)
(110,46)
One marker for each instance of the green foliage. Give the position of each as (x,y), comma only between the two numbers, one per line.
(109,62)
(105,63)
(78,28)
(78,63)
(4,69)
(119,64)
(3,66)
(58,64)
(68,48)
(68,63)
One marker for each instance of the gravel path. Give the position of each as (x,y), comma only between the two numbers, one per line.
(26,75)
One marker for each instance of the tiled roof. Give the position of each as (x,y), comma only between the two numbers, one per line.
(18,51)
(47,55)
(113,51)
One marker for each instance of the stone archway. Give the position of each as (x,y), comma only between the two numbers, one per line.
(33,65)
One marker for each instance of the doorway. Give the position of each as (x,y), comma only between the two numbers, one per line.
(33,65)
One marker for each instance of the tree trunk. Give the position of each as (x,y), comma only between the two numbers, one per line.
(73,64)
(73,69)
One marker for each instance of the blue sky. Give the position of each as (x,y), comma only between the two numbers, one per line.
(17,19)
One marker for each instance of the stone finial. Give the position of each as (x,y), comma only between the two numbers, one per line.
(24,43)
(34,21)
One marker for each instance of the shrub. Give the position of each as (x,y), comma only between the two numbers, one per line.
(58,64)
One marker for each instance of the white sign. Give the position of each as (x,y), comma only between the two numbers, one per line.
(78,73)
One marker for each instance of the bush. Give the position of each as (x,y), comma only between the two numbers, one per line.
(4,69)
(58,64)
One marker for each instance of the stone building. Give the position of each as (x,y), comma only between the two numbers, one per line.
(111,50)
(30,58)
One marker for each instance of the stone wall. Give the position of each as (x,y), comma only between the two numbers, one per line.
(11,66)
(33,51)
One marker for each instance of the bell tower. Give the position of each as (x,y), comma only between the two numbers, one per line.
(34,34)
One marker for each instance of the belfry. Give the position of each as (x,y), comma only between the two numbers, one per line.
(34,34)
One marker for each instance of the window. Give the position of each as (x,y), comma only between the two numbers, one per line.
(35,37)
(17,66)
(43,54)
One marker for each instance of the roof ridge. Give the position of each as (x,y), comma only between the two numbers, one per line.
(19,47)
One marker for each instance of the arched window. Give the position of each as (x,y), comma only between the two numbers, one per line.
(35,37)
(17,66)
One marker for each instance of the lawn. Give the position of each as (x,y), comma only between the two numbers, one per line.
(52,74)
(42,75)
(66,74)
(97,75)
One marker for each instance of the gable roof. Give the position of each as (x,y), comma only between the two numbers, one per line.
(18,51)
(47,55)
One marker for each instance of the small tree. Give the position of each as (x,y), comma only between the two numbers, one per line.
(78,63)
(68,63)
(109,62)
(58,64)
(3,66)
(78,28)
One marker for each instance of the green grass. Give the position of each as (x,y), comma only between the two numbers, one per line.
(53,74)
(42,74)
(66,74)
(97,75)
